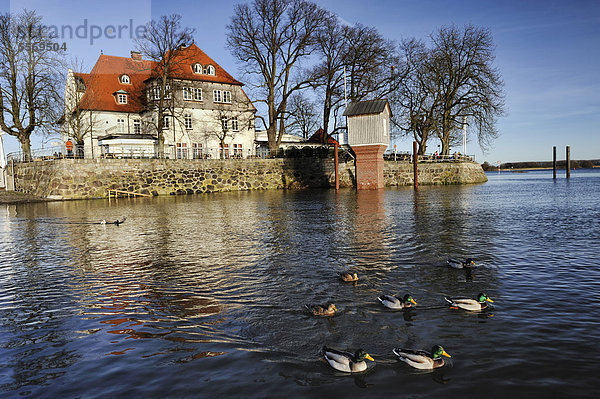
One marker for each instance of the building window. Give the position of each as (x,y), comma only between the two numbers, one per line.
(182,151)
(224,123)
(192,94)
(222,96)
(196,150)
(125,79)
(166,122)
(121,125)
(197,68)
(156,92)
(187,119)
(167,92)
(122,98)
(237,151)
(187,94)
(234,124)
(137,126)
(224,154)
(209,70)
(197,94)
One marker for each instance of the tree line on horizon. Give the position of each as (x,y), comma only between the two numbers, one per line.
(583,164)
(300,63)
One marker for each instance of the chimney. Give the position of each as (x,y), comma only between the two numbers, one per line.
(136,55)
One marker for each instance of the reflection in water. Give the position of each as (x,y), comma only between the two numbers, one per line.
(203,295)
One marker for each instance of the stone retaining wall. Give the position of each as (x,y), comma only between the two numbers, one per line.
(84,179)
(401,173)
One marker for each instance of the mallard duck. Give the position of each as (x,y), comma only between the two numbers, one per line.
(421,359)
(322,310)
(393,302)
(469,303)
(349,277)
(459,264)
(345,361)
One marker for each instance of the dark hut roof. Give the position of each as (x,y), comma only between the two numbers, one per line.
(365,107)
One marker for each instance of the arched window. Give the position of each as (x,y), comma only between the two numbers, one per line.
(197,68)
(125,79)
(209,70)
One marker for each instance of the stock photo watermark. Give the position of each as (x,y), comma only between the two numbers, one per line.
(93,32)
(55,37)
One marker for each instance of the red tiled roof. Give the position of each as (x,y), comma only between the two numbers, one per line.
(192,55)
(104,81)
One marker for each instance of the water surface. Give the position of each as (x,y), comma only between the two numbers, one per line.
(202,296)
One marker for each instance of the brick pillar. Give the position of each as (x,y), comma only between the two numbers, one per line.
(369,166)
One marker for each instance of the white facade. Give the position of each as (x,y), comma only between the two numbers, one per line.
(114,110)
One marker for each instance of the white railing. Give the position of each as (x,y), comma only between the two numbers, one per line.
(428,158)
(171,152)
(48,154)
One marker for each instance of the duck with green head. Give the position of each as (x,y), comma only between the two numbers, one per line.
(459,264)
(421,359)
(345,361)
(394,302)
(472,304)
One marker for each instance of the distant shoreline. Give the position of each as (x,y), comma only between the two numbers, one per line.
(542,165)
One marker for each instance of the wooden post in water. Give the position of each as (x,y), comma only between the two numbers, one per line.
(415,163)
(568,164)
(554,162)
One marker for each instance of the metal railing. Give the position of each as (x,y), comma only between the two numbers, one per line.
(48,154)
(171,152)
(428,158)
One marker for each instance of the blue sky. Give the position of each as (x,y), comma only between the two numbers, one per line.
(548,53)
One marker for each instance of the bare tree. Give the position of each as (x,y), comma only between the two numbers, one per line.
(304,119)
(468,85)
(415,100)
(271,38)
(162,43)
(372,64)
(358,56)
(328,75)
(29,78)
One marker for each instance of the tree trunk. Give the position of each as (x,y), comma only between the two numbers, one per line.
(25,147)
(272,137)
(445,145)
(222,154)
(161,144)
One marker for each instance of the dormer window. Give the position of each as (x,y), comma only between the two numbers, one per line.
(209,70)
(197,68)
(121,97)
(125,79)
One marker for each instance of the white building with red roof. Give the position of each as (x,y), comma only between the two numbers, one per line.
(111,111)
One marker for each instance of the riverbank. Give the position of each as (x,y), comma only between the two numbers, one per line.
(13,197)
